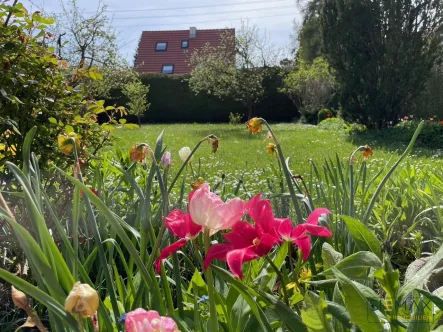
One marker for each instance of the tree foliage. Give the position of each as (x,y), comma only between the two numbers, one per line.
(235,68)
(382,52)
(136,92)
(310,87)
(38,88)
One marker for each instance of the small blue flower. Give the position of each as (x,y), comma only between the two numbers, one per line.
(122,318)
(204,298)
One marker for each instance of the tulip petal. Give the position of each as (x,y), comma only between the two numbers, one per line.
(285,229)
(192,228)
(313,217)
(242,235)
(261,212)
(169,324)
(317,230)
(236,258)
(304,243)
(166,252)
(217,251)
(265,245)
(176,222)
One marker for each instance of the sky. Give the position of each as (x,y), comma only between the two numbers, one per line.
(131,17)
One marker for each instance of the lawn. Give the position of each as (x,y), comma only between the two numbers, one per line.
(240,152)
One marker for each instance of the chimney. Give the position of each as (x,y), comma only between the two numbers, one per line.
(192,32)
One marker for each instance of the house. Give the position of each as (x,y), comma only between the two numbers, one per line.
(168,52)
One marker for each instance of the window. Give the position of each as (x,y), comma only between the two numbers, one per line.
(161,46)
(185,43)
(168,69)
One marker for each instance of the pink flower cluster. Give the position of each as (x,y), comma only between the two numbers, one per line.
(141,320)
(245,242)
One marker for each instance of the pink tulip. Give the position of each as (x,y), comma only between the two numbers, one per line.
(141,320)
(208,210)
(300,234)
(166,160)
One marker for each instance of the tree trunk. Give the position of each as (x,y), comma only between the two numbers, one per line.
(139,122)
(251,111)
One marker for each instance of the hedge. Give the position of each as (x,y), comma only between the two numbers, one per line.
(173,101)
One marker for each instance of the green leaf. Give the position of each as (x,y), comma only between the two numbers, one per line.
(330,256)
(437,300)
(40,296)
(122,121)
(69,129)
(108,108)
(389,281)
(314,313)
(340,313)
(356,266)
(359,308)
(421,275)
(52,120)
(131,126)
(363,237)
(243,290)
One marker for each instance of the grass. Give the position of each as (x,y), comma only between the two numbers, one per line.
(241,153)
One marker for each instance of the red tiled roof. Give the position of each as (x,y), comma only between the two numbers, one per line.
(151,61)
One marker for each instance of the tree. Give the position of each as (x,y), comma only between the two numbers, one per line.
(382,52)
(136,92)
(310,87)
(236,68)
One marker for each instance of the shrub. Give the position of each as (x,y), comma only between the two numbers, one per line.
(37,88)
(235,118)
(323,114)
(335,124)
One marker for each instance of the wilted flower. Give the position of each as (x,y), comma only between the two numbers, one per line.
(65,143)
(83,299)
(166,160)
(208,210)
(141,320)
(271,148)
(19,298)
(184,153)
(198,183)
(254,125)
(138,152)
(215,145)
(367,152)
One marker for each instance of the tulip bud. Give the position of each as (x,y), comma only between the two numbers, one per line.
(82,299)
(166,160)
(184,153)
(19,298)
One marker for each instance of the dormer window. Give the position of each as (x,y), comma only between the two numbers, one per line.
(185,43)
(168,69)
(161,46)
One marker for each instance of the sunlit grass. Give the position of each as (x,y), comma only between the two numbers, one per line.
(241,153)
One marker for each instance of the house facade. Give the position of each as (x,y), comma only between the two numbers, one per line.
(168,52)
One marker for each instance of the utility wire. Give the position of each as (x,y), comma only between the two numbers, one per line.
(197,22)
(202,14)
(192,7)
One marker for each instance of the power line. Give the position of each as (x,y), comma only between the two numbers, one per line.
(198,22)
(202,14)
(193,7)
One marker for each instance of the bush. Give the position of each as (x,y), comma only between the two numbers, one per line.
(235,118)
(324,114)
(431,136)
(335,124)
(37,88)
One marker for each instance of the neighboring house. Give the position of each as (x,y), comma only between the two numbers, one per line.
(168,52)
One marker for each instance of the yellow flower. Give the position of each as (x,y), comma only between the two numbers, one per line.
(12,149)
(367,152)
(271,148)
(138,152)
(196,185)
(254,125)
(305,274)
(65,143)
(83,299)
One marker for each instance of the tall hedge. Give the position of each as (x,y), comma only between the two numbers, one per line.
(172,100)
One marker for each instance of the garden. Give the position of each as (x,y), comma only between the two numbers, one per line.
(107,225)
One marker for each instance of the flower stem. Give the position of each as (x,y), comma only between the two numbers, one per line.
(280,277)
(287,173)
(212,310)
(197,253)
(291,263)
(297,271)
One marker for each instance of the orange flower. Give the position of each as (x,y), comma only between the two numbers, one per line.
(254,125)
(367,152)
(271,148)
(138,152)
